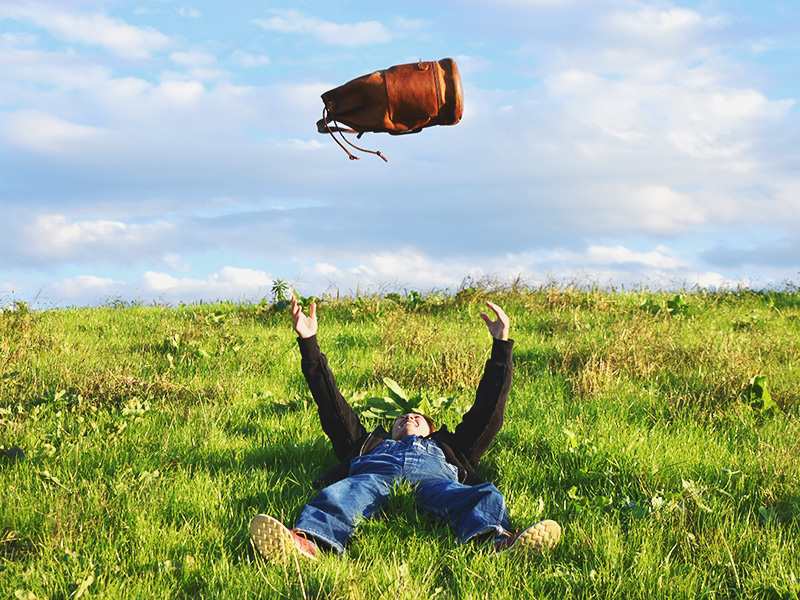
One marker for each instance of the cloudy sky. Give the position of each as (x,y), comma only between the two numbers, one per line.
(166,150)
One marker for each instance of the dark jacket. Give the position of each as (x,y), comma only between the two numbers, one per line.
(463,447)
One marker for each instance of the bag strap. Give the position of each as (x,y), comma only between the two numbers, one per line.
(409,132)
(341,132)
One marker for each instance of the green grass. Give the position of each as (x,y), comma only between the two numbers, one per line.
(138,442)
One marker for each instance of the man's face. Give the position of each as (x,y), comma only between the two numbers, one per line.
(410,424)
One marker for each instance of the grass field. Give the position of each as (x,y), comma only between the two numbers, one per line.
(660,430)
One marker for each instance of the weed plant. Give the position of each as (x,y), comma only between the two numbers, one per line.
(137,442)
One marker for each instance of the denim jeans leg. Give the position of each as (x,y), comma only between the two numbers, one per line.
(331,517)
(471,509)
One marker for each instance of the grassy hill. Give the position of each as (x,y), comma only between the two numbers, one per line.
(660,430)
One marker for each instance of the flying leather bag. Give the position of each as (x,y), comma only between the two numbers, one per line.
(399,100)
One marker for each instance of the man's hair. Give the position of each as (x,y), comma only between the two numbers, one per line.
(431,424)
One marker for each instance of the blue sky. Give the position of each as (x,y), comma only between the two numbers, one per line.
(166,151)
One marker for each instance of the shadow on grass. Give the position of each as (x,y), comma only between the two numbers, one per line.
(530,361)
(291,457)
(285,472)
(251,425)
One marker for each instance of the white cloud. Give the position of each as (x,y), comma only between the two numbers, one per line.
(85,287)
(306,144)
(62,234)
(351,35)
(193,59)
(228,282)
(95,29)
(56,238)
(327,270)
(651,24)
(180,93)
(406,265)
(248,60)
(714,123)
(160,282)
(707,121)
(409,269)
(175,262)
(657,209)
(785,208)
(631,135)
(660,258)
(42,132)
(13,41)
(189,12)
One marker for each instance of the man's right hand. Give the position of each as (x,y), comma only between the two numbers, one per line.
(499,328)
(305,326)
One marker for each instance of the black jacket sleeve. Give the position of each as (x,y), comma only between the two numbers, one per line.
(338,420)
(481,424)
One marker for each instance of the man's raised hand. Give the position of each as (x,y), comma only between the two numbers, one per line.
(499,328)
(305,326)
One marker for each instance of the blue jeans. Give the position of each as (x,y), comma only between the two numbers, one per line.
(331,517)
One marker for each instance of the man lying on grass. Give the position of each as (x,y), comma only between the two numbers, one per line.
(440,464)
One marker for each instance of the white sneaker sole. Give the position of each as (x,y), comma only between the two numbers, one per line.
(542,536)
(273,540)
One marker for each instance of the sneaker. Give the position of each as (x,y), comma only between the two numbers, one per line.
(274,541)
(542,536)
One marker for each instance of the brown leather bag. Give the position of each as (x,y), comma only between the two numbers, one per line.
(399,100)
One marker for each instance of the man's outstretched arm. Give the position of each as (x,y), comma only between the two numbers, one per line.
(481,424)
(337,418)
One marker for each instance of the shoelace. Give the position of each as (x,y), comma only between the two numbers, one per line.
(506,536)
(304,537)
(340,130)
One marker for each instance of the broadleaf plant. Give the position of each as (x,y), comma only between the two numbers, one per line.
(759,396)
(397,403)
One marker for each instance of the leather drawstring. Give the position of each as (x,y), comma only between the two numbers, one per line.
(340,130)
